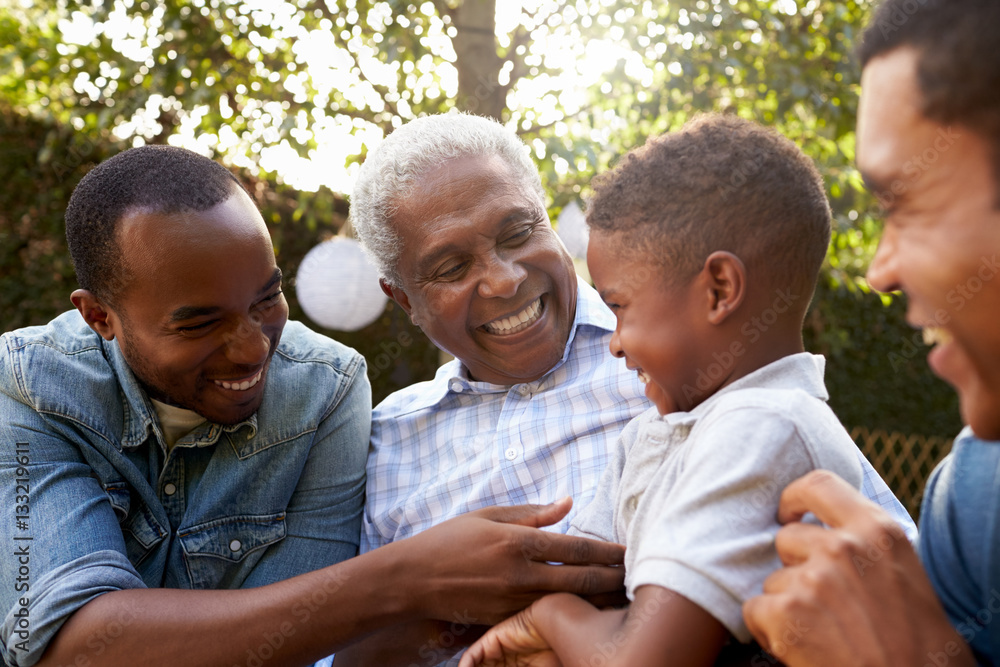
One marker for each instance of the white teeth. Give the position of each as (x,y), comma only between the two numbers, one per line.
(643,377)
(515,323)
(936,336)
(240,386)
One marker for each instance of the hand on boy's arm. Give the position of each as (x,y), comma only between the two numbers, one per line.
(852,594)
(493,562)
(481,567)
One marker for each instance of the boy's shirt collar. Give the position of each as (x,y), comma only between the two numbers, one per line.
(803,371)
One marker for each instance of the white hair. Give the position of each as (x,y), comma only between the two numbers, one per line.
(391,171)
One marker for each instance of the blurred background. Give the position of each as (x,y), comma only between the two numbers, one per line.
(292,94)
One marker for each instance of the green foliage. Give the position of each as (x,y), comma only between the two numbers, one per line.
(40,164)
(583,81)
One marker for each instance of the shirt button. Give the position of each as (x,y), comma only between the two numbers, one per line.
(169,489)
(524,390)
(456,386)
(235,545)
(511,454)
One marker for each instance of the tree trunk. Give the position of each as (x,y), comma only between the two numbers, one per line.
(479,89)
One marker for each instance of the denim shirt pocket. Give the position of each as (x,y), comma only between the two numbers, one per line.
(140,528)
(120,498)
(222,552)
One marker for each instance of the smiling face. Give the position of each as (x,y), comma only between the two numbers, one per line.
(483,273)
(658,330)
(201,319)
(942,231)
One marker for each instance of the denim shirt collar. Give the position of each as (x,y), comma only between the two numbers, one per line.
(139,417)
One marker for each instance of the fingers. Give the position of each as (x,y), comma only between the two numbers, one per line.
(473,655)
(756,614)
(797,541)
(533,516)
(780,581)
(830,498)
(558,548)
(585,580)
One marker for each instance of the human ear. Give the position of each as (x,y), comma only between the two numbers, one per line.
(399,296)
(726,278)
(96,314)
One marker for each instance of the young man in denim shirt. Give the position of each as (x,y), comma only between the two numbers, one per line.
(176,432)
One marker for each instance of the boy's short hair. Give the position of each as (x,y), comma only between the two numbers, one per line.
(719,183)
(959,63)
(165,179)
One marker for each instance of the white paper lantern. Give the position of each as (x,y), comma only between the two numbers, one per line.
(572,229)
(338,287)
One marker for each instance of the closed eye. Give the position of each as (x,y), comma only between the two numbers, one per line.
(452,271)
(271,299)
(197,327)
(518,238)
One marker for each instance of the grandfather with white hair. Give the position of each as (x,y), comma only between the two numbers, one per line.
(452,210)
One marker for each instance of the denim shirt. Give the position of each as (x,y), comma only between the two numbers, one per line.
(960,541)
(92,502)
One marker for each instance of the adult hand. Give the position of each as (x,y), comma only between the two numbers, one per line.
(483,566)
(853,594)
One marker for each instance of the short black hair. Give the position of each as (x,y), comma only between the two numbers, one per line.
(959,59)
(719,183)
(165,179)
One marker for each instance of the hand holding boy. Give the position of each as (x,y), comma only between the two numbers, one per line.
(521,554)
(860,581)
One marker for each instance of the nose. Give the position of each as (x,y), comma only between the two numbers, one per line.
(882,272)
(247,344)
(615,346)
(501,278)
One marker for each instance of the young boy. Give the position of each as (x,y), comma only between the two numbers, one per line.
(706,243)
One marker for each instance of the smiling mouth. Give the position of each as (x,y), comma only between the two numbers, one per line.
(241,386)
(515,323)
(643,376)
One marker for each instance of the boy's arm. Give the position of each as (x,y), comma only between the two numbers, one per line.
(660,627)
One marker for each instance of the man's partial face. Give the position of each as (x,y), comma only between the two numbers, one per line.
(483,273)
(941,243)
(203,316)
